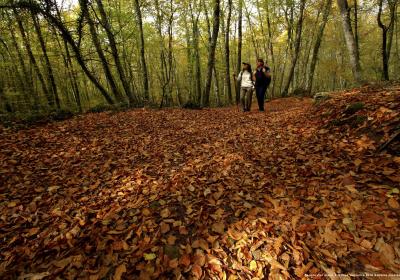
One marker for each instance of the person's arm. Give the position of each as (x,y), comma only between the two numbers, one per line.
(254,75)
(239,77)
(267,72)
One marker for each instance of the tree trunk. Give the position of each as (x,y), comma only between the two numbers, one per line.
(239,49)
(67,37)
(386,47)
(70,66)
(252,32)
(32,59)
(271,49)
(47,60)
(211,53)
(97,44)
(114,51)
(217,90)
(356,37)
(296,48)
(350,40)
(196,36)
(142,51)
(227,54)
(25,79)
(317,45)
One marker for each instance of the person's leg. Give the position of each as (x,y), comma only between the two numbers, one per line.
(243,98)
(258,95)
(249,99)
(262,97)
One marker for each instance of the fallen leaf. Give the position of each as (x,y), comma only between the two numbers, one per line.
(393,203)
(149,257)
(173,263)
(164,228)
(253,265)
(185,260)
(196,271)
(146,212)
(121,269)
(165,213)
(218,228)
(11,204)
(171,240)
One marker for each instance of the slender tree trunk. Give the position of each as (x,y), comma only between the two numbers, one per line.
(296,49)
(261,23)
(32,59)
(47,60)
(25,79)
(386,47)
(142,51)
(114,51)
(97,44)
(68,39)
(196,36)
(271,49)
(239,48)
(356,37)
(317,45)
(216,87)
(252,32)
(211,53)
(73,77)
(227,53)
(350,40)
(66,34)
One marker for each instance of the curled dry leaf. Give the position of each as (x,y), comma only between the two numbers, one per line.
(119,271)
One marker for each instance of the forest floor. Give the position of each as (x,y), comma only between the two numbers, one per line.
(299,191)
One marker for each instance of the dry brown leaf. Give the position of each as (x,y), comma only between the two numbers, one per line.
(393,203)
(218,228)
(196,271)
(121,269)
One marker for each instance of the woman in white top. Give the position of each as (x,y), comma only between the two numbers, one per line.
(245,78)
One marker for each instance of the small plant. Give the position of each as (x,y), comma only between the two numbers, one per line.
(192,105)
(100,108)
(354,108)
(61,115)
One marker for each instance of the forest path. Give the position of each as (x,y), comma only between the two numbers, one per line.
(194,193)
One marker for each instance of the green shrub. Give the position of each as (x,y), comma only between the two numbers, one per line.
(354,108)
(101,108)
(191,105)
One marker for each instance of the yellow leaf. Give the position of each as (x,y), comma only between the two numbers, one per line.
(253,265)
(390,223)
(165,213)
(121,269)
(393,203)
(146,212)
(12,204)
(149,257)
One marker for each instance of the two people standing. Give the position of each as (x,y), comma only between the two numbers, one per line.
(258,80)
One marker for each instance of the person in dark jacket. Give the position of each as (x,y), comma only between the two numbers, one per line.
(262,76)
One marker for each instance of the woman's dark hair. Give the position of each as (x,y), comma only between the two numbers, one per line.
(260,60)
(248,67)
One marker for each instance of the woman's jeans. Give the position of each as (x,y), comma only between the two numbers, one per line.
(260,93)
(246,95)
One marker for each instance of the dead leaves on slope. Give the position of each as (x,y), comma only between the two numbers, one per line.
(214,194)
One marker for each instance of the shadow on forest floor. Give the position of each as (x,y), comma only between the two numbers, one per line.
(194,194)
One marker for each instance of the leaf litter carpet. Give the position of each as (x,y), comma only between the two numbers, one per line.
(301,191)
